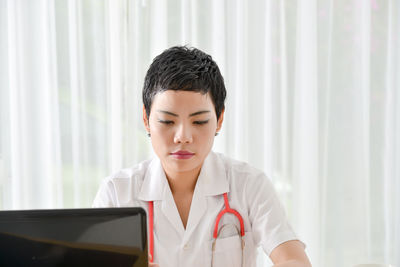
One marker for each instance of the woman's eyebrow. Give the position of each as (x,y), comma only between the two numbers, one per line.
(167,112)
(199,112)
(191,115)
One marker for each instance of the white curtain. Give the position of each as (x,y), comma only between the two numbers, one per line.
(313,100)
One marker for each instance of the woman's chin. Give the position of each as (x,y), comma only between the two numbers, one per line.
(182,165)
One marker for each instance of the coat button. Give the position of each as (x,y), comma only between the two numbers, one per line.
(186,246)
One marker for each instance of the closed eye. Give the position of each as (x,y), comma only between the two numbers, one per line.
(200,122)
(165,122)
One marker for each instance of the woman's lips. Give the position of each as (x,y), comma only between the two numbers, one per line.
(181,154)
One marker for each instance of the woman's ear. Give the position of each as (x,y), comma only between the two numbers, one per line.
(146,120)
(220,120)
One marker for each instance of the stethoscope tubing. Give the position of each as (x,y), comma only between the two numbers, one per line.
(151,231)
(227,209)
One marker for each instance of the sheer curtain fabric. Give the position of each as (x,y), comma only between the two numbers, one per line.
(313,100)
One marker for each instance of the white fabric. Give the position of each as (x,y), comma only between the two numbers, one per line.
(249,192)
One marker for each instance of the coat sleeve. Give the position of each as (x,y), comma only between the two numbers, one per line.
(270,225)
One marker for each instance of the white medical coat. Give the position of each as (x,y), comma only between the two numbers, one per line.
(249,192)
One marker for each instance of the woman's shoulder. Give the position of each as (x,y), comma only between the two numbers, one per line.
(122,187)
(246,180)
(242,175)
(238,167)
(127,178)
(137,171)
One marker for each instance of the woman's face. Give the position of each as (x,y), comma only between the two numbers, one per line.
(182,125)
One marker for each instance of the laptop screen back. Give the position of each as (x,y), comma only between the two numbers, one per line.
(77,237)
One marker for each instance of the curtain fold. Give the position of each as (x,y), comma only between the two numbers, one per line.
(32,108)
(313,101)
(304,152)
(391,144)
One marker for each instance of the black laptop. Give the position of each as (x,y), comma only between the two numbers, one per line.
(112,237)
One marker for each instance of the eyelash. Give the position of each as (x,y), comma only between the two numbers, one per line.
(166,122)
(200,122)
(195,122)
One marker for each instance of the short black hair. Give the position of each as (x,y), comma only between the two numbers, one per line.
(186,69)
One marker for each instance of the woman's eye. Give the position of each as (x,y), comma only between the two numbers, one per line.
(165,122)
(200,122)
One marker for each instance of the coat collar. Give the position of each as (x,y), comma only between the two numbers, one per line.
(212,179)
(154,182)
(213,175)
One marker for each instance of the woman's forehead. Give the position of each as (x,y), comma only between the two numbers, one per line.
(189,101)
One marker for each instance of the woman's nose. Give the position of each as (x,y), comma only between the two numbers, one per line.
(183,135)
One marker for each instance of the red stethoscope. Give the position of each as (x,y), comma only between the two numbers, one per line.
(216,233)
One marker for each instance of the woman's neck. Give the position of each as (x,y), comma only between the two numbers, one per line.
(182,182)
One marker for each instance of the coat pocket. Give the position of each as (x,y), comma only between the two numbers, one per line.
(228,251)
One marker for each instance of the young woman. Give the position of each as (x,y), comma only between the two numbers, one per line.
(204,208)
